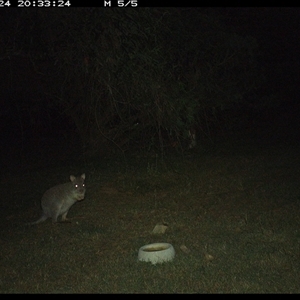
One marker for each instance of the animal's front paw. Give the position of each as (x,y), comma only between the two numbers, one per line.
(66,220)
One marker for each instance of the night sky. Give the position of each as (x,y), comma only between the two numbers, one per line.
(276,30)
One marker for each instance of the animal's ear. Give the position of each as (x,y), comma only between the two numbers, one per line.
(83,176)
(72,178)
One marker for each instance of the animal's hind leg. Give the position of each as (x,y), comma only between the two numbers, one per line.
(55,217)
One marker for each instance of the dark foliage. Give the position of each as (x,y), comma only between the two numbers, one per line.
(139,77)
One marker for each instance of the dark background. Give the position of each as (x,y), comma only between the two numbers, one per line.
(34,125)
(276,30)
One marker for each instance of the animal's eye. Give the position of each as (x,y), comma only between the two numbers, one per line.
(83,184)
(76,185)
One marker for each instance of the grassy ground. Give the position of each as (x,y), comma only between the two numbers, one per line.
(235,207)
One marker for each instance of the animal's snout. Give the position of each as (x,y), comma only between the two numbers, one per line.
(80,195)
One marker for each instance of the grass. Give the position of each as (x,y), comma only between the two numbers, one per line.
(235,207)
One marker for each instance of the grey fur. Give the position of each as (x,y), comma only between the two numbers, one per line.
(58,200)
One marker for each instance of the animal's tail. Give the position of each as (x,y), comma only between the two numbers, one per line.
(40,220)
